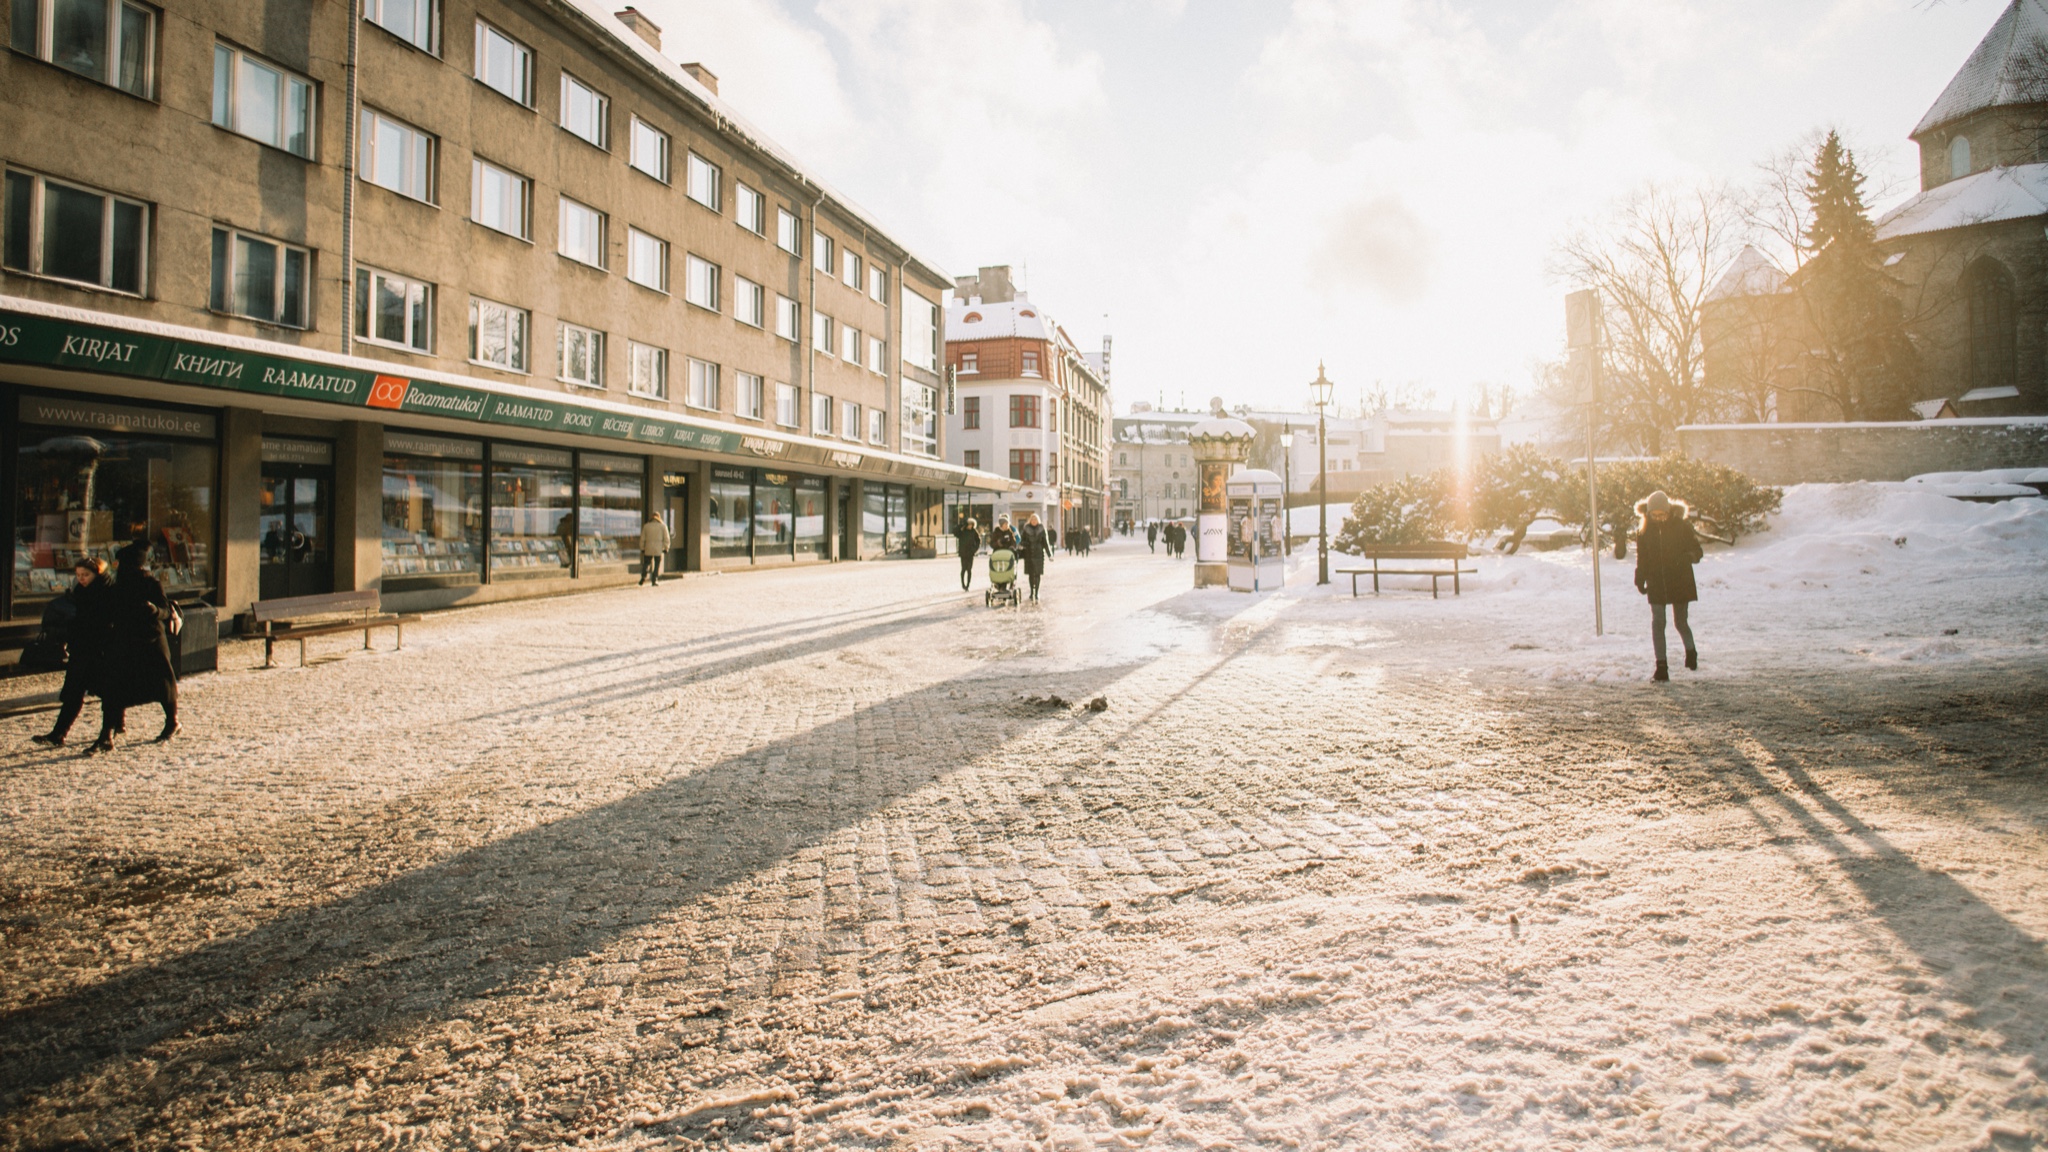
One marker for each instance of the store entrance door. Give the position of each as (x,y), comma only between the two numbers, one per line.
(846,525)
(296,552)
(676,492)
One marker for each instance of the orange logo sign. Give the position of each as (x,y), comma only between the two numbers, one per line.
(388,392)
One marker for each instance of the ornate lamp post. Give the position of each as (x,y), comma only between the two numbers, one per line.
(1286,488)
(1320,389)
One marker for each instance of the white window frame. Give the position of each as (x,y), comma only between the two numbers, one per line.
(649,149)
(789,319)
(849,421)
(600,134)
(415,163)
(821,414)
(593,358)
(821,252)
(522,60)
(821,332)
(878,427)
(918,430)
(39,41)
(568,205)
(878,284)
(878,354)
(641,249)
(519,359)
(646,371)
(849,269)
(970,364)
(748,395)
(415,341)
(789,406)
(789,233)
(227,105)
(701,391)
(479,170)
(849,344)
(749,209)
(425,35)
(35,265)
(920,346)
(701,282)
(230,253)
(749,302)
(703,182)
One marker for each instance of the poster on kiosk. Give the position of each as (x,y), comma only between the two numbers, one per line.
(1253,533)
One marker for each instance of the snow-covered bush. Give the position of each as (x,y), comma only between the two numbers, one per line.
(1414,510)
(1513,490)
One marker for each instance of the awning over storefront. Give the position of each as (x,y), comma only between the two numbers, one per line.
(45,335)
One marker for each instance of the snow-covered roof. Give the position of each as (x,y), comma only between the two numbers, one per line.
(2002,70)
(1995,194)
(1934,409)
(2003,392)
(973,320)
(1751,274)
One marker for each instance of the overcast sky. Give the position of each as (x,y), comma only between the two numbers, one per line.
(1236,189)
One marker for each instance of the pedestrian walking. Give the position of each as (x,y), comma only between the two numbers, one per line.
(1083,539)
(86,637)
(139,668)
(1034,546)
(654,544)
(1666,550)
(1002,535)
(1151,535)
(969,540)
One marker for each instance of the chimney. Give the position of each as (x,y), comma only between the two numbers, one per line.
(995,284)
(704,76)
(648,29)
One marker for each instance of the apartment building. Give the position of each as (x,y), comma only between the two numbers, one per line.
(439,297)
(1153,475)
(1028,404)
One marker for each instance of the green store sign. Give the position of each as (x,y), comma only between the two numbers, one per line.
(40,340)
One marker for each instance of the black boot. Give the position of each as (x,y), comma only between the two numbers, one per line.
(1692,661)
(1663,672)
(49,739)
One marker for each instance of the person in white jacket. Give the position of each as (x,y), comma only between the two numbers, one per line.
(654,541)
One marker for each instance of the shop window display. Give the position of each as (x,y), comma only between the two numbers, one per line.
(774,514)
(810,516)
(88,493)
(611,507)
(731,519)
(533,521)
(874,519)
(433,517)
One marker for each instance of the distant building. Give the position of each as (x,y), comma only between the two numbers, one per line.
(1151,468)
(1368,450)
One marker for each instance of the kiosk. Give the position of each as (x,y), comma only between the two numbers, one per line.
(1254,534)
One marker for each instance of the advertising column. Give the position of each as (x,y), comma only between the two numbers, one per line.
(1220,444)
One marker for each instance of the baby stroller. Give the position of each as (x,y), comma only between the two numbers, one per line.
(1002,578)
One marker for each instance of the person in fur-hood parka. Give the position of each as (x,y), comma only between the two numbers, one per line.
(1666,550)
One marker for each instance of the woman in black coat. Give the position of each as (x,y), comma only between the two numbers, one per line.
(86,640)
(1033,547)
(139,668)
(1666,550)
(969,541)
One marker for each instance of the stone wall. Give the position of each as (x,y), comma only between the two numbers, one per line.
(1836,453)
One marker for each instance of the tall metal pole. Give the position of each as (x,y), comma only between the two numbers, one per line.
(1322,492)
(1593,485)
(1287,488)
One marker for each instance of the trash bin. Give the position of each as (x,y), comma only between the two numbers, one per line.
(198,642)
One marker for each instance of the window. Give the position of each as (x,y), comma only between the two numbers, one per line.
(750,302)
(73,233)
(789,318)
(1024,465)
(919,430)
(970,363)
(849,344)
(1991,324)
(821,252)
(646,260)
(821,332)
(393,310)
(417,22)
(878,426)
(702,389)
(1052,416)
(878,354)
(786,234)
(262,101)
(396,155)
(585,111)
(1023,411)
(261,279)
(971,457)
(970,412)
(703,182)
(646,370)
(1959,157)
(500,200)
(504,65)
(878,285)
(849,420)
(701,284)
(498,334)
(748,402)
(579,355)
(1030,361)
(582,237)
(104,40)
(920,332)
(788,405)
(750,208)
(849,270)
(648,149)
(821,414)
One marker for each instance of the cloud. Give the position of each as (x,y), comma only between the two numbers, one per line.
(1379,245)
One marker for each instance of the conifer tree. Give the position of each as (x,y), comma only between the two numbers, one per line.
(1866,363)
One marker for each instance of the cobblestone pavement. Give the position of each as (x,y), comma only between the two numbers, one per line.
(837,857)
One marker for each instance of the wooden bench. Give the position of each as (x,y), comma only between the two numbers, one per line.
(301,618)
(1452,553)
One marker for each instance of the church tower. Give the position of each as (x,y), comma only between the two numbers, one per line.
(1994,114)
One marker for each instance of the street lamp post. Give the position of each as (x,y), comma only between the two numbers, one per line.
(1320,388)
(1286,488)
